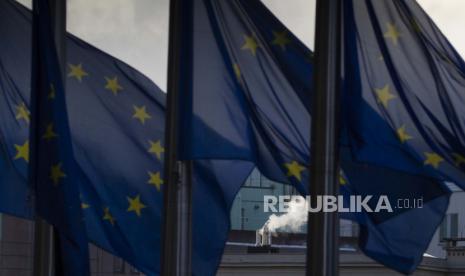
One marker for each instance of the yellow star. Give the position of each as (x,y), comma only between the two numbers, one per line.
(156,148)
(342,179)
(237,72)
(403,135)
(384,95)
(459,159)
(52,93)
(392,33)
(22,113)
(281,39)
(141,114)
(113,85)
(135,205)
(56,174)
(22,151)
(155,180)
(49,133)
(294,169)
(84,205)
(433,159)
(107,216)
(250,44)
(77,72)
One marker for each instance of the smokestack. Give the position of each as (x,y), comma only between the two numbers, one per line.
(263,236)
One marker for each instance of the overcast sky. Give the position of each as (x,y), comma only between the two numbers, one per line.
(136,31)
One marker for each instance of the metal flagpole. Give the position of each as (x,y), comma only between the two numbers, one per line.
(59,13)
(45,239)
(177,232)
(323,228)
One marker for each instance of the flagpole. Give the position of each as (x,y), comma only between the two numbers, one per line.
(323,228)
(59,13)
(45,238)
(177,215)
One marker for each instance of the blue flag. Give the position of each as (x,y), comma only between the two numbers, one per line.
(52,169)
(116,119)
(410,108)
(406,114)
(247,96)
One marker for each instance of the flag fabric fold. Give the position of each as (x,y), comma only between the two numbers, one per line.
(52,169)
(116,121)
(404,83)
(402,93)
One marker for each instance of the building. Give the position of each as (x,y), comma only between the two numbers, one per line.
(16,252)
(453,225)
(290,261)
(247,212)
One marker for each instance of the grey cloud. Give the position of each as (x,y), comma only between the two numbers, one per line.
(136,31)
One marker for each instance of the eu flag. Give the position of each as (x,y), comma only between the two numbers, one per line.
(52,169)
(404,83)
(404,106)
(116,122)
(246,96)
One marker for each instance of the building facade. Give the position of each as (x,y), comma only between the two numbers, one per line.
(453,225)
(247,212)
(16,252)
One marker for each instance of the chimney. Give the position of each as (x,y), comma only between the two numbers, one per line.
(263,236)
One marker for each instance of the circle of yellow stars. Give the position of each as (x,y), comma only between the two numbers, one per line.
(56,173)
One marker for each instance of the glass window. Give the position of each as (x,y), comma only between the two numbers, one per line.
(254,179)
(348,228)
(449,227)
(247,212)
(454,225)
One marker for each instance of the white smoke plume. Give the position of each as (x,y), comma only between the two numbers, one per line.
(291,221)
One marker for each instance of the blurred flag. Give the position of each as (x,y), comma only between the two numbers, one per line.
(246,96)
(52,169)
(116,118)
